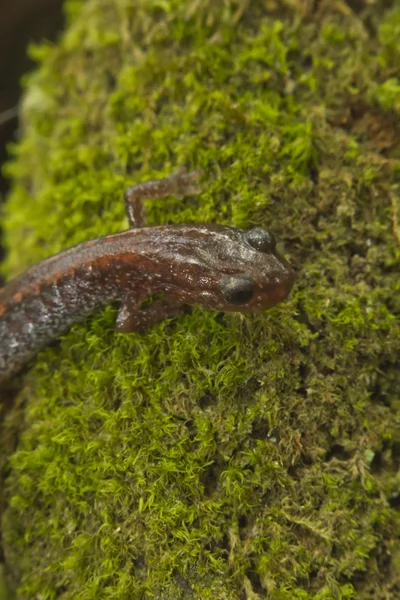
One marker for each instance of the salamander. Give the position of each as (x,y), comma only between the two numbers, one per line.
(214,266)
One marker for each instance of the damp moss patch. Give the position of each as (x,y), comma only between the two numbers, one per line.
(216,456)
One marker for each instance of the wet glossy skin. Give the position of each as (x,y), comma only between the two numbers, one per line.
(217,267)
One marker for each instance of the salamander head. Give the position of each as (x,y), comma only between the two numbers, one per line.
(229,269)
(264,279)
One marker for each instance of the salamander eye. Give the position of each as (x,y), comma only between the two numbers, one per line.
(261,239)
(237,289)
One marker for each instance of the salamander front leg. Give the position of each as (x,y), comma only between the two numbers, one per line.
(132,318)
(178,184)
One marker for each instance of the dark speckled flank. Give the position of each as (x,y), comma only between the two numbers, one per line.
(217,267)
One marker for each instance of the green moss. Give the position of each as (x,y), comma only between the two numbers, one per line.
(216,456)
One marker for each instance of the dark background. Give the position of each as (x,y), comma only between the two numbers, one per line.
(21,22)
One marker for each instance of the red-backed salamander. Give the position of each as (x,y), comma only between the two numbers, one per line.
(218,267)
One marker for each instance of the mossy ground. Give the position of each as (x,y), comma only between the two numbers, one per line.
(217,456)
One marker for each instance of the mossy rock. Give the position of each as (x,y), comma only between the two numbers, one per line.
(216,456)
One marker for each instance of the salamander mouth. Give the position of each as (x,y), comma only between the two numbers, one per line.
(283,284)
(272,288)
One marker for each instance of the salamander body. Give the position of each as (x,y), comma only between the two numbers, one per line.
(218,267)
